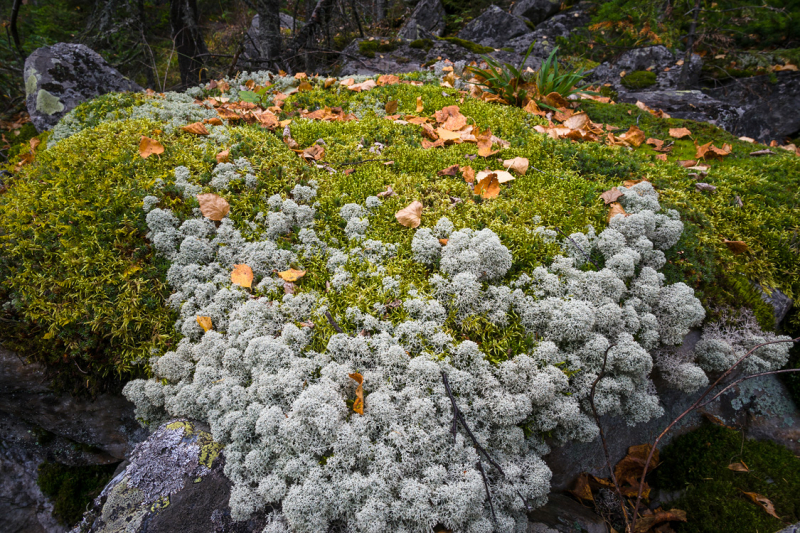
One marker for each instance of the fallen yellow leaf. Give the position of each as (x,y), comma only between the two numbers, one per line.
(411,215)
(420,105)
(616,209)
(212,206)
(205,322)
(358,405)
(488,186)
(197,128)
(148,147)
(292,275)
(223,156)
(242,275)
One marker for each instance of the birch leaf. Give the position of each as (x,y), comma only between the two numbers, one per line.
(213,207)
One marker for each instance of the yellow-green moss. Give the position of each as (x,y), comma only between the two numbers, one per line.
(639,79)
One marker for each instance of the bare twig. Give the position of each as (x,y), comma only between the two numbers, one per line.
(680,417)
(13,28)
(333,322)
(578,247)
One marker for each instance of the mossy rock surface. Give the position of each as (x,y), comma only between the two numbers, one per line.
(72,488)
(640,79)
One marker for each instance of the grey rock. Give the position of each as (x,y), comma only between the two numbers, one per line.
(251,40)
(691,105)
(562,514)
(546,33)
(794,528)
(426,19)
(781,304)
(494,27)
(175,479)
(657,59)
(536,10)
(107,423)
(772,110)
(23,507)
(60,77)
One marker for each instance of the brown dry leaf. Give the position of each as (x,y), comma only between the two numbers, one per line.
(582,490)
(34,142)
(484,140)
(629,470)
(661,157)
(224,156)
(329,82)
(448,135)
(411,215)
(738,467)
(388,79)
(349,171)
(426,144)
(420,105)
(612,195)
(764,502)
(358,405)
(687,163)
(487,186)
(562,115)
(631,183)
(205,322)
(242,275)
(389,192)
(634,136)
(449,171)
(304,86)
(655,143)
(416,120)
(391,106)
(197,128)
(555,100)
(212,206)
(647,522)
(577,121)
(518,165)
(450,118)
(428,131)
(616,209)
(468,174)
(314,152)
(679,133)
(148,147)
(291,275)
(443,242)
(213,121)
(737,247)
(363,86)
(532,108)
(288,287)
(709,151)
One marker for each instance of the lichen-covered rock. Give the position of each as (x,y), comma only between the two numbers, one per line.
(61,76)
(536,10)
(173,481)
(657,59)
(427,19)
(494,27)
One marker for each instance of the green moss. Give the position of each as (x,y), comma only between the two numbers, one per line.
(422,44)
(698,463)
(639,79)
(71,488)
(475,48)
(370,48)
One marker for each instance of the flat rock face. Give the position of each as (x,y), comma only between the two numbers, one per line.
(174,482)
(494,27)
(657,59)
(562,514)
(691,105)
(107,423)
(427,18)
(536,10)
(23,507)
(60,77)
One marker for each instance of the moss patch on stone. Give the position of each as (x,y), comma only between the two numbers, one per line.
(370,48)
(639,79)
(71,488)
(469,45)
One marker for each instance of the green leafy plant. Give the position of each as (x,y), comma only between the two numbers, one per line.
(550,78)
(505,80)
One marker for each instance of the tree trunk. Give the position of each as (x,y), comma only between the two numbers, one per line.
(13,28)
(269,29)
(687,58)
(380,10)
(189,44)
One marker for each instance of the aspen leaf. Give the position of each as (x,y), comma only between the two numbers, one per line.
(314,152)
(738,467)
(484,143)
(205,322)
(616,209)
(582,490)
(358,405)
(488,186)
(634,136)
(448,135)
(468,174)
(679,133)
(197,128)
(329,82)
(420,105)
(388,79)
(611,195)
(518,164)
(291,275)
(242,275)
(450,118)
(449,171)
(411,215)
(443,242)
(391,107)
(148,147)
(212,206)
(737,247)
(763,502)
(224,156)
(577,121)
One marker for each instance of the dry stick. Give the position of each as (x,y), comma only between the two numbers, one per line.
(691,408)
(333,322)
(600,376)
(720,393)
(13,28)
(578,247)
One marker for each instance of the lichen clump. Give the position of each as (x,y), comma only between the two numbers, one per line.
(278,397)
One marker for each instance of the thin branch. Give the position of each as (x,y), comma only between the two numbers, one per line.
(333,322)
(680,417)
(578,247)
(734,383)
(13,28)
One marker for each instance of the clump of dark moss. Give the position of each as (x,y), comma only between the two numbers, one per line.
(421,44)
(71,488)
(639,79)
(475,48)
(370,48)
(697,463)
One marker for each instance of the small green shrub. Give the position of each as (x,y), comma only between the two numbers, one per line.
(475,48)
(639,79)
(697,462)
(71,488)
(370,48)
(421,44)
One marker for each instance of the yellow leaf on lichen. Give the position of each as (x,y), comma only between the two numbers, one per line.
(292,275)
(205,322)
(242,275)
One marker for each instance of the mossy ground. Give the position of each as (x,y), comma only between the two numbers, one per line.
(87,291)
(71,488)
(697,463)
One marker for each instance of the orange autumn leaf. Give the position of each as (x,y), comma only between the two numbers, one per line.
(242,275)
(468,174)
(443,242)
(450,118)
(679,133)
(448,135)
(314,152)
(634,136)
(426,144)
(616,209)
(577,121)
(391,107)
(411,215)
(148,147)
(213,207)
(34,142)
(449,171)
(223,156)
(737,247)
(488,187)
(582,490)
(555,100)
(197,128)
(213,121)
(205,322)
(388,79)
(420,105)
(304,86)
(291,275)
(358,405)
(484,140)
(763,502)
